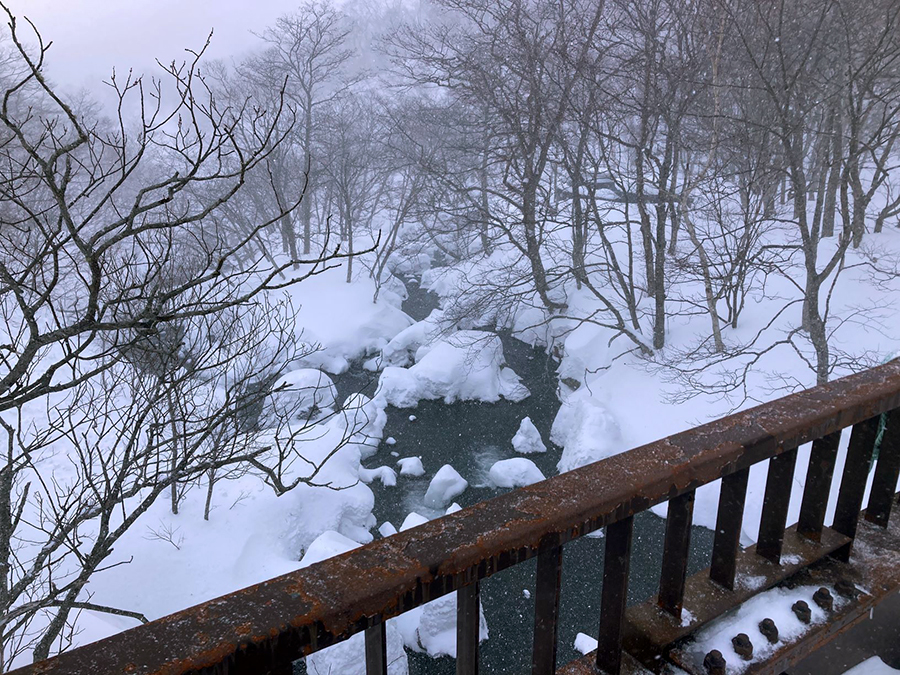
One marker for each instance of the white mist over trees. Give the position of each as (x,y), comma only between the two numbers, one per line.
(648,161)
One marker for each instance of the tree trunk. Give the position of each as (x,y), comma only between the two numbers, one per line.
(306,204)
(834,178)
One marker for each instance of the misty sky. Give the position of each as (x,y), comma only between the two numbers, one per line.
(91,36)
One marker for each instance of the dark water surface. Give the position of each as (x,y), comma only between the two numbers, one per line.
(471,436)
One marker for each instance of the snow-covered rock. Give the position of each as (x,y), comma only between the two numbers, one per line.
(528,439)
(387,529)
(515,472)
(446,484)
(327,545)
(298,394)
(402,348)
(413,520)
(411,466)
(362,420)
(432,627)
(467,366)
(585,643)
(586,430)
(385,474)
(437,626)
(349,657)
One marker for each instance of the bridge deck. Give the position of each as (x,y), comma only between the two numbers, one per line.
(873,567)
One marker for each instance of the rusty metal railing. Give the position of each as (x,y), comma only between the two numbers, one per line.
(264,628)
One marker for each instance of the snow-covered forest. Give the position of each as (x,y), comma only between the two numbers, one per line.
(597,221)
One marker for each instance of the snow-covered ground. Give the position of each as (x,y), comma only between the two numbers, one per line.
(618,402)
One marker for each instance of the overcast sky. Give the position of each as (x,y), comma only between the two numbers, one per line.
(91,36)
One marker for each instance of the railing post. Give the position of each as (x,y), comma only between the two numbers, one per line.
(887,469)
(616,561)
(729,519)
(779,479)
(853,481)
(818,486)
(467,624)
(546,608)
(376,649)
(675,553)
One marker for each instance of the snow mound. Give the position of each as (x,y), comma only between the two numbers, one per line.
(431,628)
(327,545)
(528,439)
(360,326)
(872,666)
(446,484)
(387,529)
(515,472)
(362,419)
(413,520)
(411,466)
(466,366)
(385,474)
(585,643)
(299,394)
(586,430)
(402,348)
(349,657)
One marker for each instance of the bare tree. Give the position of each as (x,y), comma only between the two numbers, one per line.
(308,50)
(135,323)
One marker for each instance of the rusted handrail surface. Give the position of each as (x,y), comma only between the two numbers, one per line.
(264,627)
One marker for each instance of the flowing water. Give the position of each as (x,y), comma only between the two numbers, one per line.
(471,436)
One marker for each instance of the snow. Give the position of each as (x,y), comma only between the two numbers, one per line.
(431,628)
(515,472)
(385,474)
(298,393)
(413,520)
(411,466)
(586,430)
(401,349)
(872,666)
(453,508)
(390,440)
(528,439)
(446,484)
(342,319)
(774,604)
(466,366)
(387,529)
(585,643)
(326,545)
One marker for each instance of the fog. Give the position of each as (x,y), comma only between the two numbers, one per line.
(90,37)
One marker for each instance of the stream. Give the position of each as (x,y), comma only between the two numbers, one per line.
(471,436)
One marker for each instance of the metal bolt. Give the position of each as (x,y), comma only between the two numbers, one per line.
(768,628)
(742,646)
(823,599)
(846,589)
(802,610)
(715,663)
